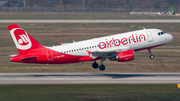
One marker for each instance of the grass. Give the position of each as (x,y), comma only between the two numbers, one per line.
(166,60)
(90,93)
(171,27)
(81,15)
(68,32)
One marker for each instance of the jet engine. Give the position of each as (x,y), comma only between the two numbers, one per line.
(123,56)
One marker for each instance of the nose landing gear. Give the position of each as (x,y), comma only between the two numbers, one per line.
(151,56)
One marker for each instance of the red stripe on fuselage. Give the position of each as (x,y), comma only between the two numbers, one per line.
(148,47)
(50,57)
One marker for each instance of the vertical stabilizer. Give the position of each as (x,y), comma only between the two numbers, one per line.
(23,41)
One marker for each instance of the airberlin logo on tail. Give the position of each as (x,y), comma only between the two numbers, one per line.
(21,39)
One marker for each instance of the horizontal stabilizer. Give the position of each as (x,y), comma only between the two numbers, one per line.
(28,58)
(60,43)
(13,55)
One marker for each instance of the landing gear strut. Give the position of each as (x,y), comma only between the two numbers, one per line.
(102,67)
(151,56)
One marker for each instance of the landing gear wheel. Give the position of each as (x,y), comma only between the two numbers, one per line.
(102,67)
(95,65)
(151,57)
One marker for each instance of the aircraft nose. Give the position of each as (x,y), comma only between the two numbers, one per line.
(169,38)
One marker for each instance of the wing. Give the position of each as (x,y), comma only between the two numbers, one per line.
(108,52)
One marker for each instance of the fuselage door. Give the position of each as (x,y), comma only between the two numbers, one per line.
(149,36)
(49,55)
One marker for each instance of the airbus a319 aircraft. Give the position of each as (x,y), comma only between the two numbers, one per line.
(119,47)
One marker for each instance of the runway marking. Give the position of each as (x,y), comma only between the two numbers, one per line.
(89,78)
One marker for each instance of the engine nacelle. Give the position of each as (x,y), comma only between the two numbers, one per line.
(124,56)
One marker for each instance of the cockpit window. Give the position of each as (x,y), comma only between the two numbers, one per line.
(161,33)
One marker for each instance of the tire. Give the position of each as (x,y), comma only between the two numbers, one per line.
(95,65)
(151,57)
(102,67)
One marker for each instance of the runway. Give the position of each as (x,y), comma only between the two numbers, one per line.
(88,78)
(90,21)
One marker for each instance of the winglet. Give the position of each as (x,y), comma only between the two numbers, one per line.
(60,43)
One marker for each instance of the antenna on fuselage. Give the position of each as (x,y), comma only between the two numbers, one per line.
(143,28)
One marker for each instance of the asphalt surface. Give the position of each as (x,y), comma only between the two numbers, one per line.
(90,21)
(88,78)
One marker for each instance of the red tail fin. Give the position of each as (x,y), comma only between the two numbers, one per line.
(23,41)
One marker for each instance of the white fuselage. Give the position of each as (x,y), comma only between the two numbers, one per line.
(137,40)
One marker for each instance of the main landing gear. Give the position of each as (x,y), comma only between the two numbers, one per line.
(95,65)
(101,67)
(151,56)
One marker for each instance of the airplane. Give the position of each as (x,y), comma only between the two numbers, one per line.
(119,47)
